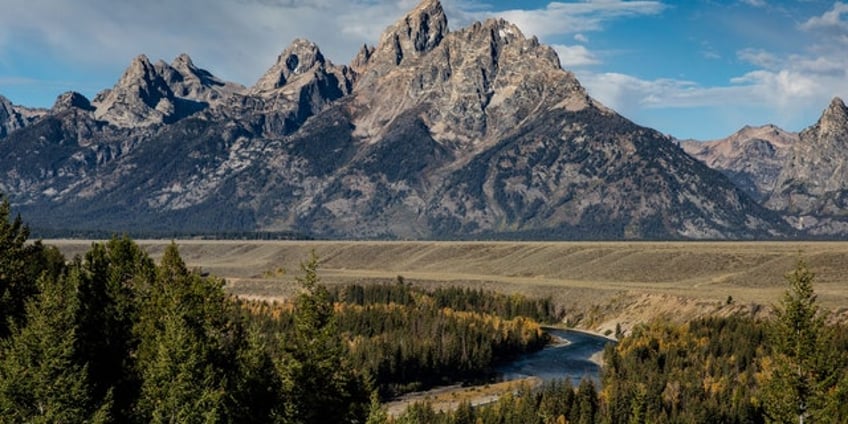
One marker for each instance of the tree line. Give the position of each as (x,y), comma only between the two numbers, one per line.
(407,339)
(111,336)
(790,369)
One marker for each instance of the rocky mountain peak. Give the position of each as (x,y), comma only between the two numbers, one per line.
(751,158)
(14,117)
(415,34)
(140,70)
(813,179)
(71,100)
(475,84)
(140,98)
(188,81)
(148,94)
(183,62)
(362,57)
(831,130)
(834,118)
(300,57)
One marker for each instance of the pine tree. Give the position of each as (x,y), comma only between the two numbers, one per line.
(376,412)
(586,402)
(40,378)
(187,344)
(802,372)
(17,285)
(113,276)
(319,384)
(256,385)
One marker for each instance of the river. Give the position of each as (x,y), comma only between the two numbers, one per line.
(556,362)
(559,361)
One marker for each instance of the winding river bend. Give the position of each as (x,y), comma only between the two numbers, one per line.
(560,361)
(569,359)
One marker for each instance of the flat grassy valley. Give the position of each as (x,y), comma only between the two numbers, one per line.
(603,283)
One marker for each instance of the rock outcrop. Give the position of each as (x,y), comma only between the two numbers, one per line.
(153,94)
(814,179)
(13,117)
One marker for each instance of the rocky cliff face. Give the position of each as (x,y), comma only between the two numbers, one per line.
(431,133)
(476,84)
(151,94)
(13,117)
(752,158)
(801,176)
(813,180)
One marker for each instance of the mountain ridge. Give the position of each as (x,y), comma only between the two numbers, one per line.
(432,133)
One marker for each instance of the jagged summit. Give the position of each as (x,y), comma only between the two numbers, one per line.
(417,33)
(300,57)
(832,126)
(71,100)
(475,84)
(190,82)
(813,181)
(152,94)
(183,62)
(362,57)
(14,117)
(834,118)
(141,97)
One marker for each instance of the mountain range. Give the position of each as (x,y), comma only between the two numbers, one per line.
(432,133)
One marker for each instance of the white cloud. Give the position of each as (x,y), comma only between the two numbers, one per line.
(830,19)
(790,93)
(574,56)
(580,38)
(559,18)
(235,39)
(758,57)
(755,3)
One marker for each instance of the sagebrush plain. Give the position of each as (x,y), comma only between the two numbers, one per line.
(661,275)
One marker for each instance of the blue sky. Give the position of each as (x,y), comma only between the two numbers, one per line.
(693,69)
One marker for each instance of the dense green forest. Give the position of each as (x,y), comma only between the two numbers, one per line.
(112,336)
(792,369)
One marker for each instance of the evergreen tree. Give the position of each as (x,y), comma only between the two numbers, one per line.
(40,378)
(111,276)
(256,385)
(17,277)
(319,385)
(376,412)
(586,402)
(188,342)
(802,373)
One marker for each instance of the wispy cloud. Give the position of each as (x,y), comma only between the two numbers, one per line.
(559,18)
(755,3)
(575,56)
(236,39)
(833,18)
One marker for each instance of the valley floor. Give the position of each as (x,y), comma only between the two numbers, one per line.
(600,284)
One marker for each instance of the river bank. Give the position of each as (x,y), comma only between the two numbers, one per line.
(572,355)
